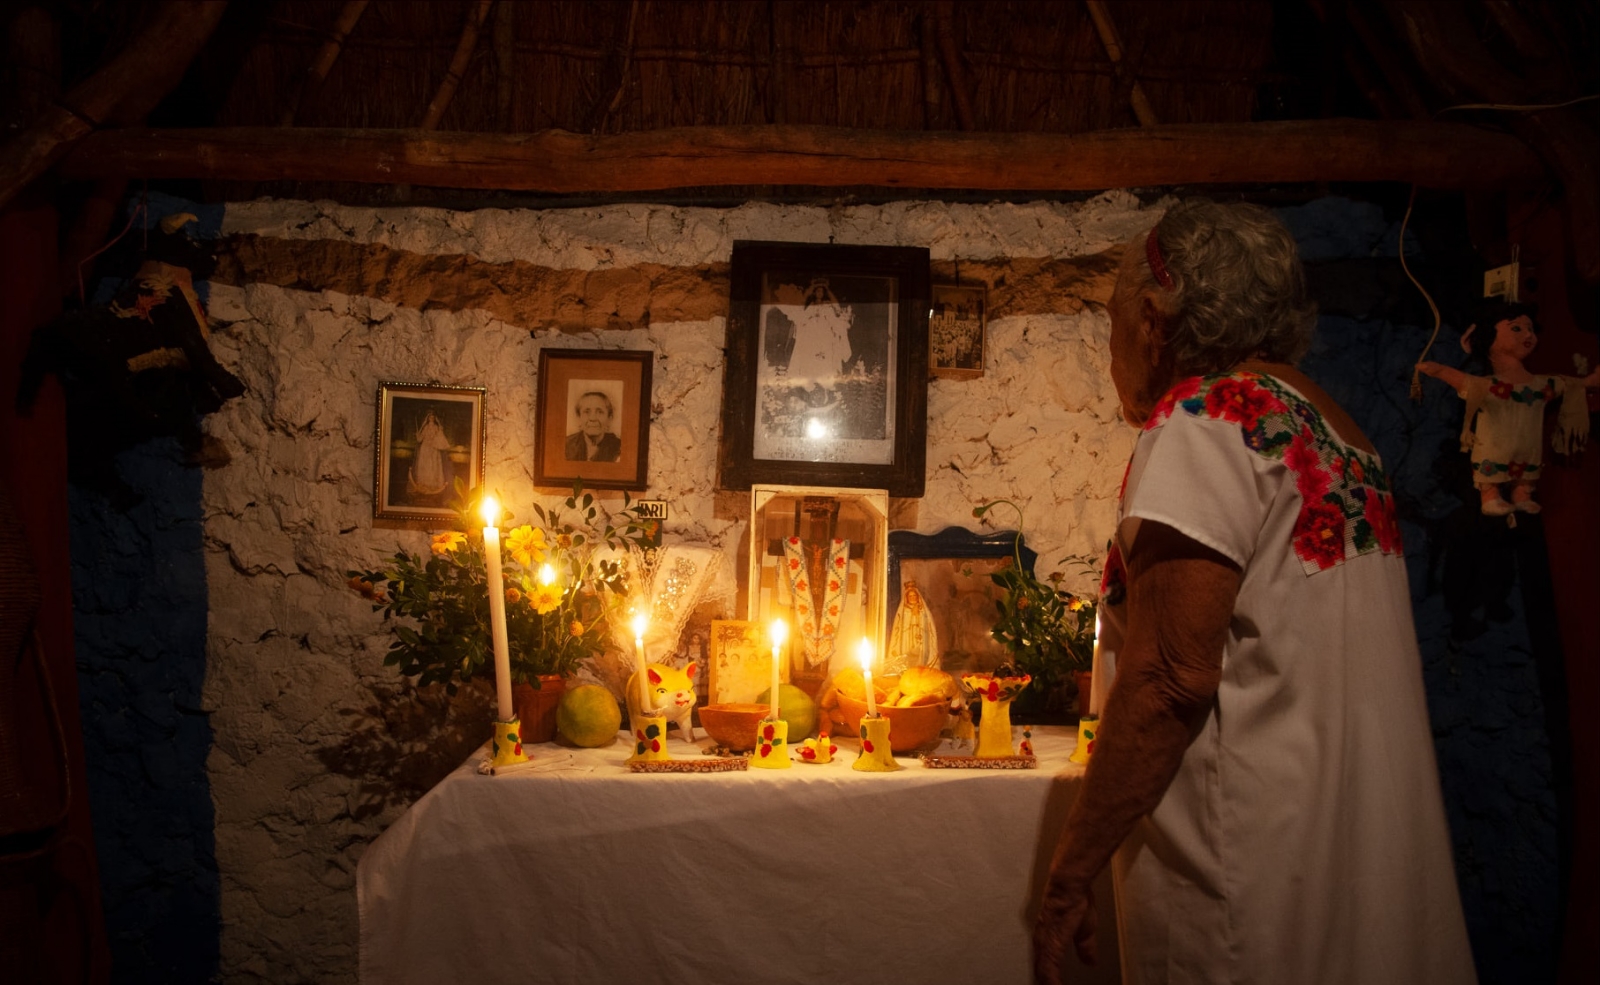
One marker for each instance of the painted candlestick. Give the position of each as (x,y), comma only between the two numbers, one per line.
(876,756)
(994,730)
(772,746)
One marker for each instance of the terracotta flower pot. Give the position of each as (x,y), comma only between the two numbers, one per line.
(536,706)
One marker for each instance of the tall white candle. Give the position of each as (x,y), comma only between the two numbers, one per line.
(641,622)
(864,651)
(780,632)
(490,509)
(1095,671)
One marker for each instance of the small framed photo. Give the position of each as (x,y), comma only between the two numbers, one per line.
(593,420)
(428,437)
(956,330)
(827,367)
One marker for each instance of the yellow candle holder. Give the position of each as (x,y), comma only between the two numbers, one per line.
(819,750)
(772,745)
(1088,727)
(994,729)
(505,749)
(876,756)
(650,740)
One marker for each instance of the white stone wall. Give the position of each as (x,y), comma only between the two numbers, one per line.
(310,731)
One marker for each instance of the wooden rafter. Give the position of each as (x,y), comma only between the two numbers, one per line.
(1437,155)
(458,64)
(343,24)
(945,34)
(1112,41)
(137,78)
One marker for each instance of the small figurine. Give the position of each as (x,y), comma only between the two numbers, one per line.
(672,692)
(1504,423)
(914,639)
(819,750)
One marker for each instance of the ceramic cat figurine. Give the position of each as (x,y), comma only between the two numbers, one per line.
(671,693)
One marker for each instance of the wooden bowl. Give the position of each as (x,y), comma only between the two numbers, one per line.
(733,725)
(909,728)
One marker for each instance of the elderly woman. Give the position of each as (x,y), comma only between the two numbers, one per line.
(1264,782)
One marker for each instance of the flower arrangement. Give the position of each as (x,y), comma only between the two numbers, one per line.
(563,582)
(1048,631)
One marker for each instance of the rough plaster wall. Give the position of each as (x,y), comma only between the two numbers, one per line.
(318,747)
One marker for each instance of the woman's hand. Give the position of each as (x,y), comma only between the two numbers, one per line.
(1067,911)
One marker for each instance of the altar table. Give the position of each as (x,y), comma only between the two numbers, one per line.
(579,871)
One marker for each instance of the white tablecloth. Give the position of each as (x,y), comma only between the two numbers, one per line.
(578,871)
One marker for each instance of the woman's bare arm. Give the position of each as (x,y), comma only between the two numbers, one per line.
(1180,602)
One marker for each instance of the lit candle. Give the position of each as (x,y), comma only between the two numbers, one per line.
(864,651)
(641,622)
(1092,705)
(780,632)
(547,574)
(490,509)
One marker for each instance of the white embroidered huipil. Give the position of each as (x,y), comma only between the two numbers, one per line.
(1303,839)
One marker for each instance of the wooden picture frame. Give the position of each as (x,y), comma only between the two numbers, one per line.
(425,437)
(957,331)
(826,381)
(951,568)
(593,418)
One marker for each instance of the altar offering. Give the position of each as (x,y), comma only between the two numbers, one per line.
(877,755)
(997,692)
(819,750)
(666,692)
(733,724)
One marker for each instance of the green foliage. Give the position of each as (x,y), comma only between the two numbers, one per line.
(1048,631)
(438,603)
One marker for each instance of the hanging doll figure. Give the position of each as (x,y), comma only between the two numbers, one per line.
(1504,424)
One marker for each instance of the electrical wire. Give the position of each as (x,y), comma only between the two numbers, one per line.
(1416,377)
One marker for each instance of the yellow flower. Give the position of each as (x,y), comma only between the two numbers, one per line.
(450,540)
(526,545)
(513,596)
(545,598)
(1077,604)
(576,628)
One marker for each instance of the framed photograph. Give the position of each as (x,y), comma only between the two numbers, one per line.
(947,574)
(740,661)
(956,327)
(427,437)
(593,420)
(826,381)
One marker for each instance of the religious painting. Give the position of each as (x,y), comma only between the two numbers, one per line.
(817,562)
(593,420)
(826,377)
(427,439)
(956,325)
(942,602)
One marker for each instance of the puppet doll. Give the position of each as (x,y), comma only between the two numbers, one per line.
(1504,424)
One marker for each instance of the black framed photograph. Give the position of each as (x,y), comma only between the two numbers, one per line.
(427,437)
(943,579)
(956,326)
(827,372)
(593,418)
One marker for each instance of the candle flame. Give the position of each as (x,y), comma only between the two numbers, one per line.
(641,622)
(489,509)
(547,574)
(864,654)
(780,632)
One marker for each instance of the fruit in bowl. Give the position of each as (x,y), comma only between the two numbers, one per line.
(733,724)
(910,726)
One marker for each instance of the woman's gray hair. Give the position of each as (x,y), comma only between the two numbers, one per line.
(1238,291)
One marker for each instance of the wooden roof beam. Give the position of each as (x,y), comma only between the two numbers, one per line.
(1435,155)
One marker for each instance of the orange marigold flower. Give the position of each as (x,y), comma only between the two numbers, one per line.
(576,628)
(513,596)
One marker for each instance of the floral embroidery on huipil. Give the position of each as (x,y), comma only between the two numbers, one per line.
(1347,507)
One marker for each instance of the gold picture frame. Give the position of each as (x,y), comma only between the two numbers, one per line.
(426,437)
